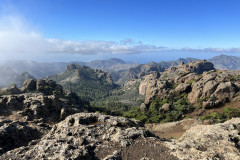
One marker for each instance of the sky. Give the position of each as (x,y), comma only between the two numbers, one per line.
(134,30)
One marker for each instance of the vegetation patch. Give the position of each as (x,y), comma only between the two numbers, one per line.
(216,117)
(178,106)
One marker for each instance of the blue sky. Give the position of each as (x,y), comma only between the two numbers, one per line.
(142,29)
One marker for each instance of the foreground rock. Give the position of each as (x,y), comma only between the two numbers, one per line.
(15,134)
(219,141)
(88,136)
(27,116)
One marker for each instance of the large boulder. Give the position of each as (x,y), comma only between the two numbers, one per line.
(210,103)
(209,88)
(166,107)
(225,91)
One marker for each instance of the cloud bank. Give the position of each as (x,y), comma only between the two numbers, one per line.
(16,38)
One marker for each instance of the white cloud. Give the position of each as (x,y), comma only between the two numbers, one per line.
(17,38)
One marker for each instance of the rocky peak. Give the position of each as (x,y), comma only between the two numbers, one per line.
(72,67)
(196,67)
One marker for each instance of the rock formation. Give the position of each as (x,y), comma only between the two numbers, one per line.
(197,79)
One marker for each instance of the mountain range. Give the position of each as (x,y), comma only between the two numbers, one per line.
(121,71)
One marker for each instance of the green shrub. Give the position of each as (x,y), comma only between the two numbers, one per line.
(231,113)
(214,116)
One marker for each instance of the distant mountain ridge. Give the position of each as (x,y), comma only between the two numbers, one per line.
(226,62)
(42,70)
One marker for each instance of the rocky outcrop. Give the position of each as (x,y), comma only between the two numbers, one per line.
(211,86)
(219,141)
(48,86)
(148,86)
(32,106)
(45,86)
(85,136)
(180,76)
(202,84)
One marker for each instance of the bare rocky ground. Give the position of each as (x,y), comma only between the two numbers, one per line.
(94,136)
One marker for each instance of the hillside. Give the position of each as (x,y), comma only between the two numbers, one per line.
(226,62)
(9,76)
(88,83)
